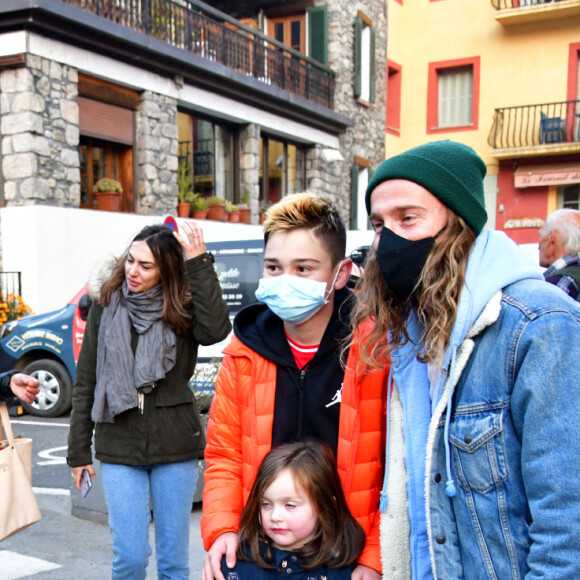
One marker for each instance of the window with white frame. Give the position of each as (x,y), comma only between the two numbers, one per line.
(360,177)
(455,97)
(364,57)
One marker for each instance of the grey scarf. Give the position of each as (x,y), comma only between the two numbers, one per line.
(123,378)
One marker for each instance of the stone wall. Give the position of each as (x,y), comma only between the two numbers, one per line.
(39,124)
(157,154)
(250,166)
(366,139)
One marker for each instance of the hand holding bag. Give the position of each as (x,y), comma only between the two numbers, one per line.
(18,507)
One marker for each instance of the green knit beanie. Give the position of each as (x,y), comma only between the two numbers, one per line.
(451,171)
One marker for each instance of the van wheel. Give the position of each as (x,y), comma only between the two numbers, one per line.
(55,396)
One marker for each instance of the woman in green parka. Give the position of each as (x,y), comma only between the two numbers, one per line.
(132,388)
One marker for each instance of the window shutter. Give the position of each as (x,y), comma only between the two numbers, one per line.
(372,89)
(318,33)
(354,197)
(358,25)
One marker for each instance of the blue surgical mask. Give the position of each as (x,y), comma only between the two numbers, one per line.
(293,299)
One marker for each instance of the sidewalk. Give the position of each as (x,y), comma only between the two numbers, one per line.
(64,547)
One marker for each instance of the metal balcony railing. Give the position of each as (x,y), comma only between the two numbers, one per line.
(502,4)
(200,29)
(535,125)
(10,283)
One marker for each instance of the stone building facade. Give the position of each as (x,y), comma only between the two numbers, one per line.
(86,95)
(40,130)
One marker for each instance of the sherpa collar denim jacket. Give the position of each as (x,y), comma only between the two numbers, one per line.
(502,460)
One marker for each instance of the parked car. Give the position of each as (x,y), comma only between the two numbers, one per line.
(47,346)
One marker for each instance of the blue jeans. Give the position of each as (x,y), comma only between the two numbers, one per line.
(127,490)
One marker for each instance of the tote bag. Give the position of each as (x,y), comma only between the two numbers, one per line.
(18,507)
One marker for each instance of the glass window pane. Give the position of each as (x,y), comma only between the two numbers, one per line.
(571,197)
(99,163)
(455,93)
(295,164)
(276,166)
(185,133)
(279,31)
(261,171)
(295,35)
(203,157)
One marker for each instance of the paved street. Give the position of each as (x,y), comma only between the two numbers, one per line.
(65,547)
(62,546)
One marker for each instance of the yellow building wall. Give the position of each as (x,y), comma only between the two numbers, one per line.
(521,64)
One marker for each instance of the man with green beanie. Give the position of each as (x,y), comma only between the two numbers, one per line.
(482,474)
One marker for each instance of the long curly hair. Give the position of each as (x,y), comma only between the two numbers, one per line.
(435,299)
(168,256)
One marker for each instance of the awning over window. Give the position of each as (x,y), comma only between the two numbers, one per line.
(549,174)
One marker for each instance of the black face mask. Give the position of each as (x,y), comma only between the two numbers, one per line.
(401,261)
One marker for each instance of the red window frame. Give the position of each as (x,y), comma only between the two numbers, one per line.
(393,108)
(433,93)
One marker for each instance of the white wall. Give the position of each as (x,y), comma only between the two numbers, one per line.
(56,249)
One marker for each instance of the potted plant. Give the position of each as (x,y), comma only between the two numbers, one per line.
(184,192)
(216,209)
(244,207)
(108,194)
(264,207)
(198,207)
(233,212)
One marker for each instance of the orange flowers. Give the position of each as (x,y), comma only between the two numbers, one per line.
(12,307)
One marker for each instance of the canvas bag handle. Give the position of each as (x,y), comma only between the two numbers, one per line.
(5,423)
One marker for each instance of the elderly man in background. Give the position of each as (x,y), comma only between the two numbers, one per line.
(560,250)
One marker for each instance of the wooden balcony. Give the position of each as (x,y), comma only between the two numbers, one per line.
(532,130)
(196,27)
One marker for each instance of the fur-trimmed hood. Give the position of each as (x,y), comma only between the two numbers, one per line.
(99,276)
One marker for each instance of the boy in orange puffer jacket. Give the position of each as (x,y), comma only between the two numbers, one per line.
(284,379)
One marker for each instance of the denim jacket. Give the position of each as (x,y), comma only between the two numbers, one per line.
(502,464)
(514,456)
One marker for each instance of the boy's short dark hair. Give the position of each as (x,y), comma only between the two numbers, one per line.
(309,211)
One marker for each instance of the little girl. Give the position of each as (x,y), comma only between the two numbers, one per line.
(296,522)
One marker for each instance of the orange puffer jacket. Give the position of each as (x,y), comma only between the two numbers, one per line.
(239,435)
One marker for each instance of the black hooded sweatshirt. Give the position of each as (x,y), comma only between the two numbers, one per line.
(307,402)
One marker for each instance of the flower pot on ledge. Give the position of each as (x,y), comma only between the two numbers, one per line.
(217,212)
(183,209)
(245,215)
(108,200)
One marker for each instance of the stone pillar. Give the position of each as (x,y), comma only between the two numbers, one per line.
(250,166)
(40,134)
(330,179)
(157,150)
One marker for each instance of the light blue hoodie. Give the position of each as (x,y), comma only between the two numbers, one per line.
(494,263)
